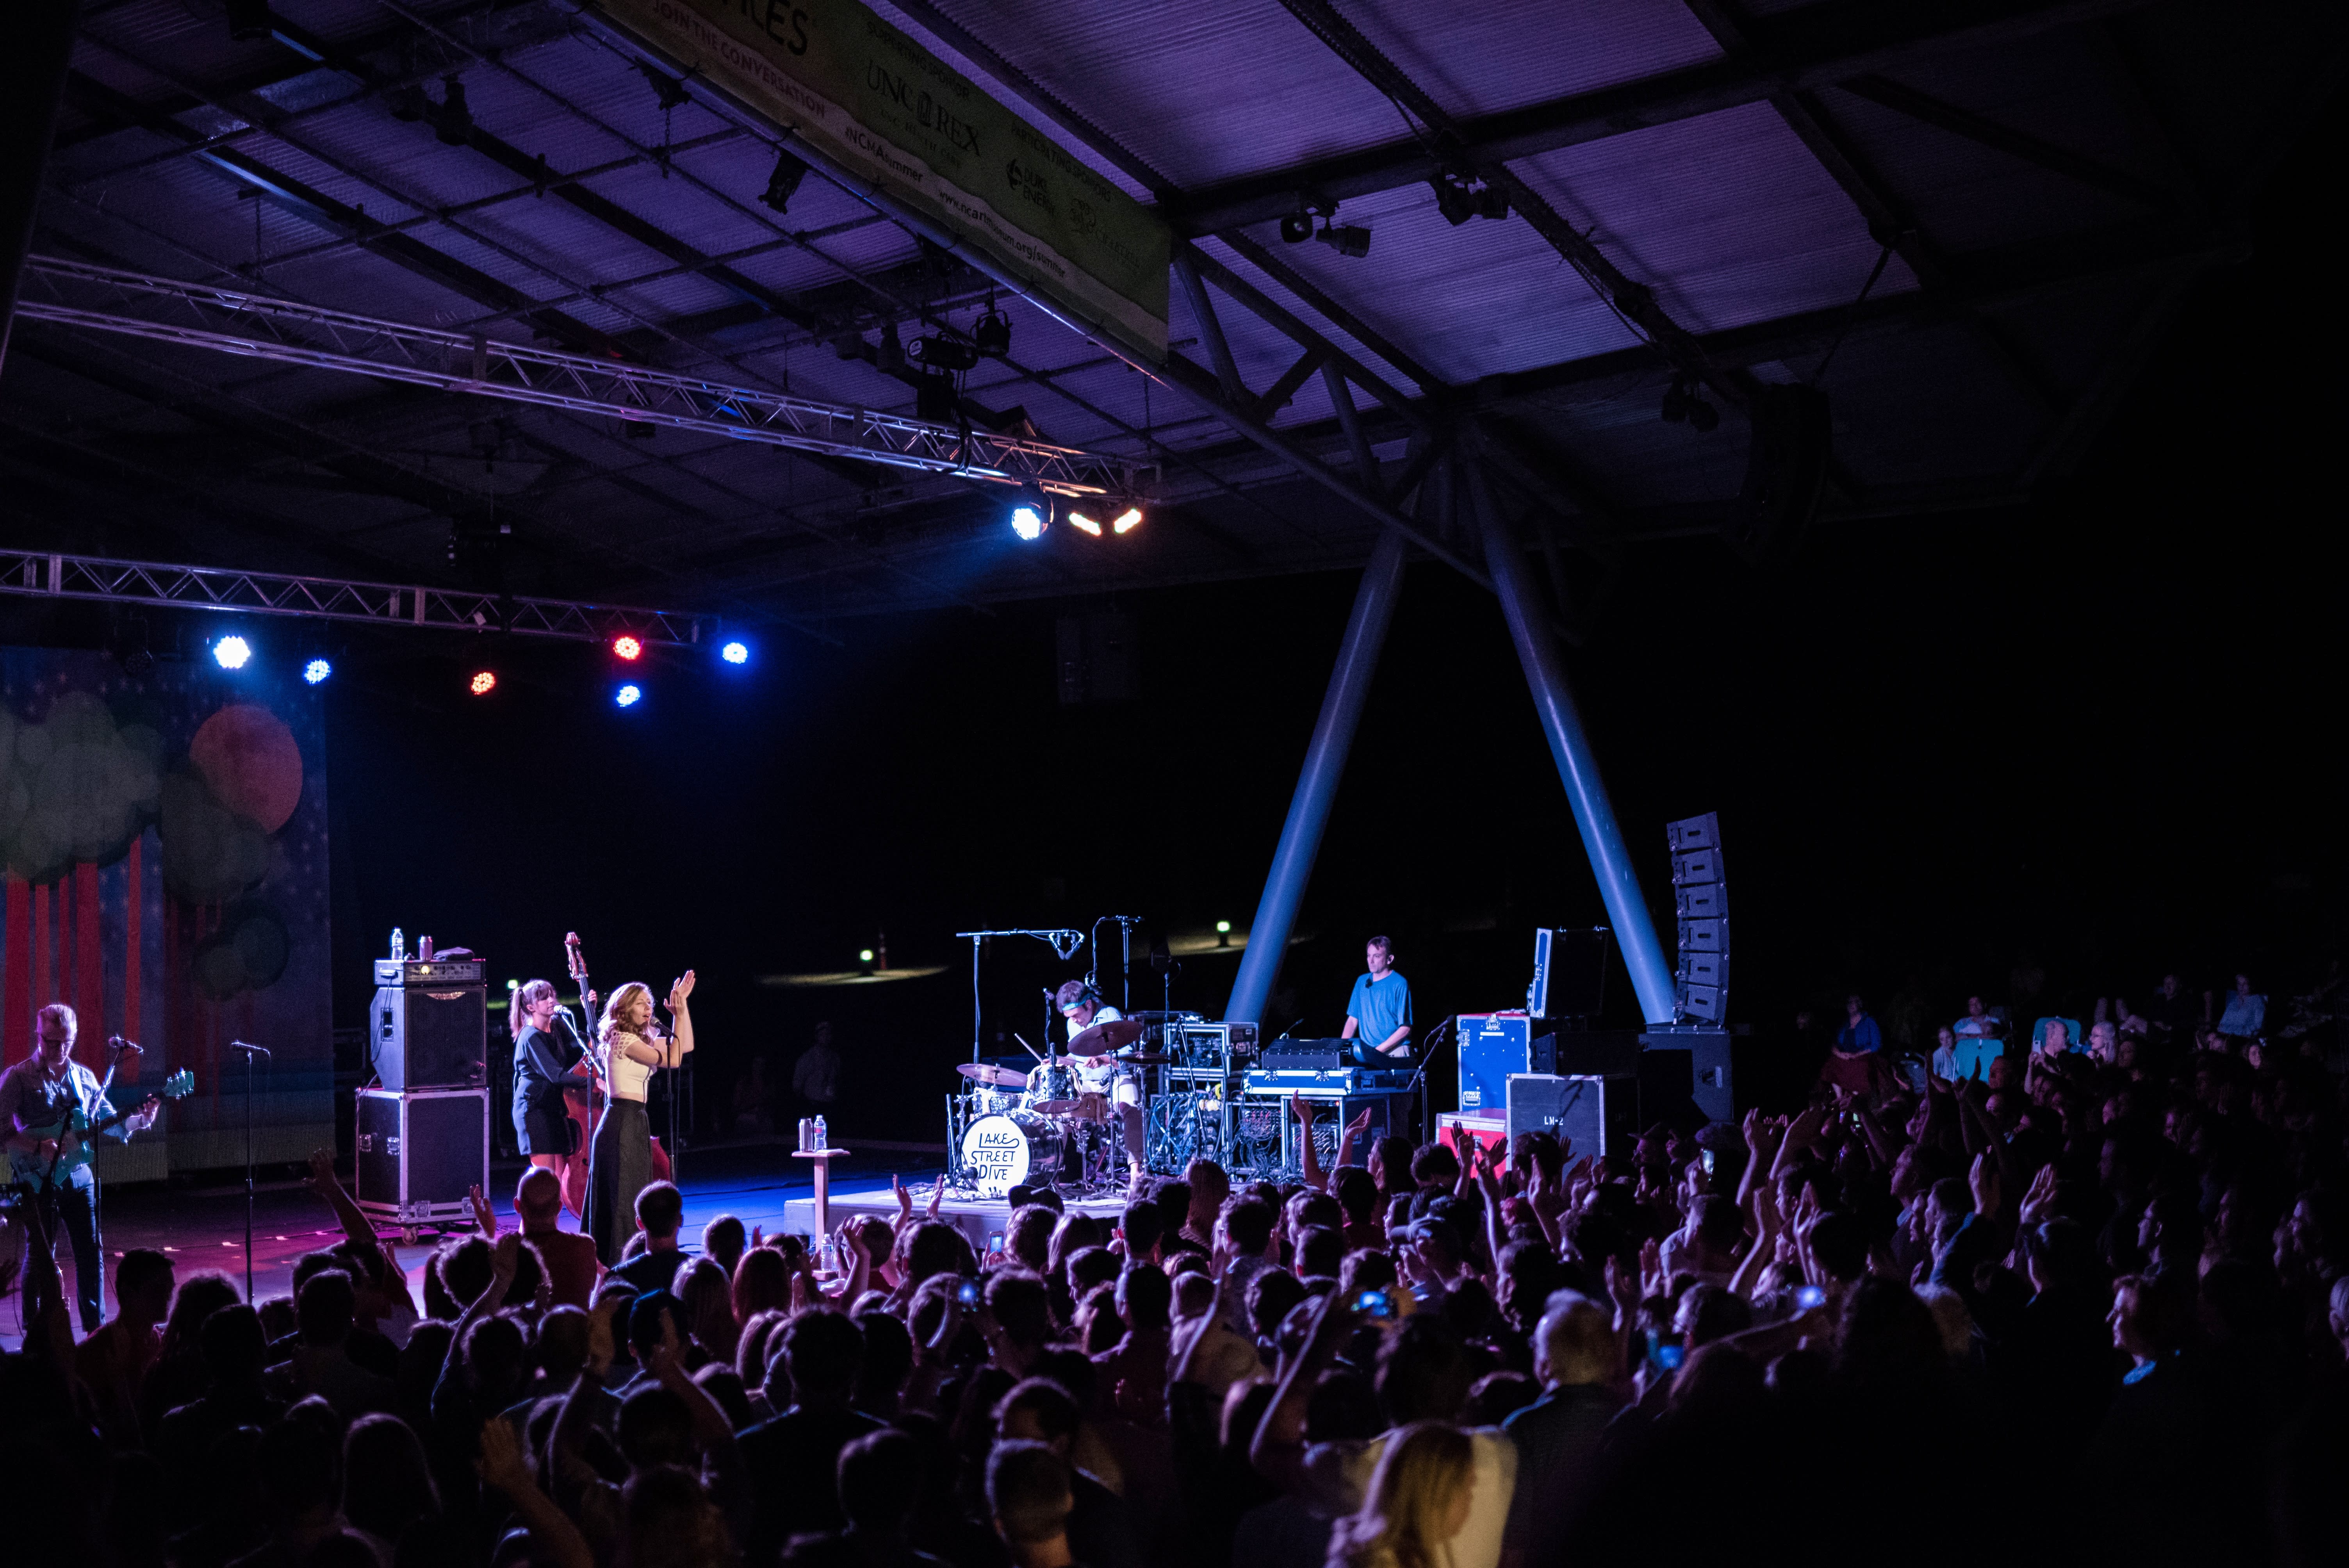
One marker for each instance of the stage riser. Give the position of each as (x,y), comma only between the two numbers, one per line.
(976,1218)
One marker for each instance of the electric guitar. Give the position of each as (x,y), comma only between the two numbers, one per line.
(76,1126)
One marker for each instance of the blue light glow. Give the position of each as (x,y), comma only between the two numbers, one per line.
(316,670)
(629,696)
(1028,522)
(735,653)
(232,653)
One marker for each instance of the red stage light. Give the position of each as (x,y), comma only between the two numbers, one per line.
(627,647)
(485,682)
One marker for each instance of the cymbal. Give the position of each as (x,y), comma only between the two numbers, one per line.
(988,1073)
(1104,1038)
(1149,1060)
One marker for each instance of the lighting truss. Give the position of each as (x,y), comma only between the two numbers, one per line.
(264,326)
(58,576)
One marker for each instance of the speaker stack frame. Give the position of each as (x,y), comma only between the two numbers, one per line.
(422,1129)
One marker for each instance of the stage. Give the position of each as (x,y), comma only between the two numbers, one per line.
(202,1227)
(976,1218)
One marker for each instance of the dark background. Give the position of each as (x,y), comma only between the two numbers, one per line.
(2080,742)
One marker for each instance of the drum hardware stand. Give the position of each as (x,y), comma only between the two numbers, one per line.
(1064,943)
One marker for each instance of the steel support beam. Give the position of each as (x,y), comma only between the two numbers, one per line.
(1814,48)
(32,86)
(1578,766)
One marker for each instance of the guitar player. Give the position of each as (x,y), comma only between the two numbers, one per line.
(38,1097)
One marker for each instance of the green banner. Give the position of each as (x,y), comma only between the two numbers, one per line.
(881,106)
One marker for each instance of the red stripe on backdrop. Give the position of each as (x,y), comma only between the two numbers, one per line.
(134,907)
(44,985)
(16,1029)
(62,989)
(90,967)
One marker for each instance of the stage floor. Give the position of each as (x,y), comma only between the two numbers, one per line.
(204,1228)
(976,1218)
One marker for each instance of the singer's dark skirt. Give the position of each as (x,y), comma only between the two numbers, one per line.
(624,1166)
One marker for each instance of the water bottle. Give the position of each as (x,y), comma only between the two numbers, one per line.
(819,1142)
(398,944)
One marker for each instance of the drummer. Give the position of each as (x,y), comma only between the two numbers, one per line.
(1081,1006)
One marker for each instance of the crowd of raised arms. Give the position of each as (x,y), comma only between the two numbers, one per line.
(2064,1306)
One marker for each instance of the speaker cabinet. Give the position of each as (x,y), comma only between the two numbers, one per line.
(1589,1114)
(430,1037)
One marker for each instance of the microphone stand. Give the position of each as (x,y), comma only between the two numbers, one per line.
(249,1052)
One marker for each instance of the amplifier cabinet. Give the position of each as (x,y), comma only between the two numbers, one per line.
(1589,1114)
(430,1036)
(1492,1045)
(421,1152)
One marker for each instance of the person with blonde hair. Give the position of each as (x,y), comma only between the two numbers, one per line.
(1417,1501)
(629,1047)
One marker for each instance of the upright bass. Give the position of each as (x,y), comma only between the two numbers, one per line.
(584,1099)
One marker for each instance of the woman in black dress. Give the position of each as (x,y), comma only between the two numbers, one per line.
(546,1048)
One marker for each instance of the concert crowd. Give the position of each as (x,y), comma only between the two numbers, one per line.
(2079,1301)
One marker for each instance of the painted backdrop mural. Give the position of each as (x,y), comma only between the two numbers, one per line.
(164,838)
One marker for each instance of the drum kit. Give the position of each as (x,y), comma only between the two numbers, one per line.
(1058,1123)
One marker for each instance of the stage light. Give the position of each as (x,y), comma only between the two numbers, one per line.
(485,682)
(784,182)
(992,333)
(1028,521)
(628,696)
(735,653)
(1296,228)
(864,955)
(1079,520)
(316,670)
(1127,521)
(231,653)
(1223,933)
(1454,200)
(1347,239)
(627,647)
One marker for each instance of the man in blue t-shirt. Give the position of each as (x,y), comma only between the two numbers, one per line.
(1378,1015)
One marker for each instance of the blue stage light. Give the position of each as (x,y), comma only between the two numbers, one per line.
(735,653)
(629,696)
(232,653)
(316,670)
(1028,521)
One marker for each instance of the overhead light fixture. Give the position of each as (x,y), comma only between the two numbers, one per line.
(1296,228)
(483,683)
(628,696)
(130,650)
(934,398)
(453,122)
(1031,516)
(1347,239)
(628,646)
(1454,200)
(992,333)
(316,670)
(232,653)
(1127,521)
(1078,520)
(735,652)
(938,352)
(784,182)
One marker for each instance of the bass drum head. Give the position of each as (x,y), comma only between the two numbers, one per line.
(998,1153)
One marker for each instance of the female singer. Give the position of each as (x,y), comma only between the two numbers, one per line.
(546,1048)
(629,1047)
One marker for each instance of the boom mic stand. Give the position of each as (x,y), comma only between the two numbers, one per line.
(249,1052)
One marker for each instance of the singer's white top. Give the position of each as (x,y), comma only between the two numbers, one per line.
(633,1058)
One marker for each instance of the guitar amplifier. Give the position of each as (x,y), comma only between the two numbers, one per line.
(419,1152)
(430,1025)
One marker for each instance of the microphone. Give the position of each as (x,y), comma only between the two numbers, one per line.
(116,1042)
(242,1046)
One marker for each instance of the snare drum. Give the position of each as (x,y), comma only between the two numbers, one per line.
(999,1152)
